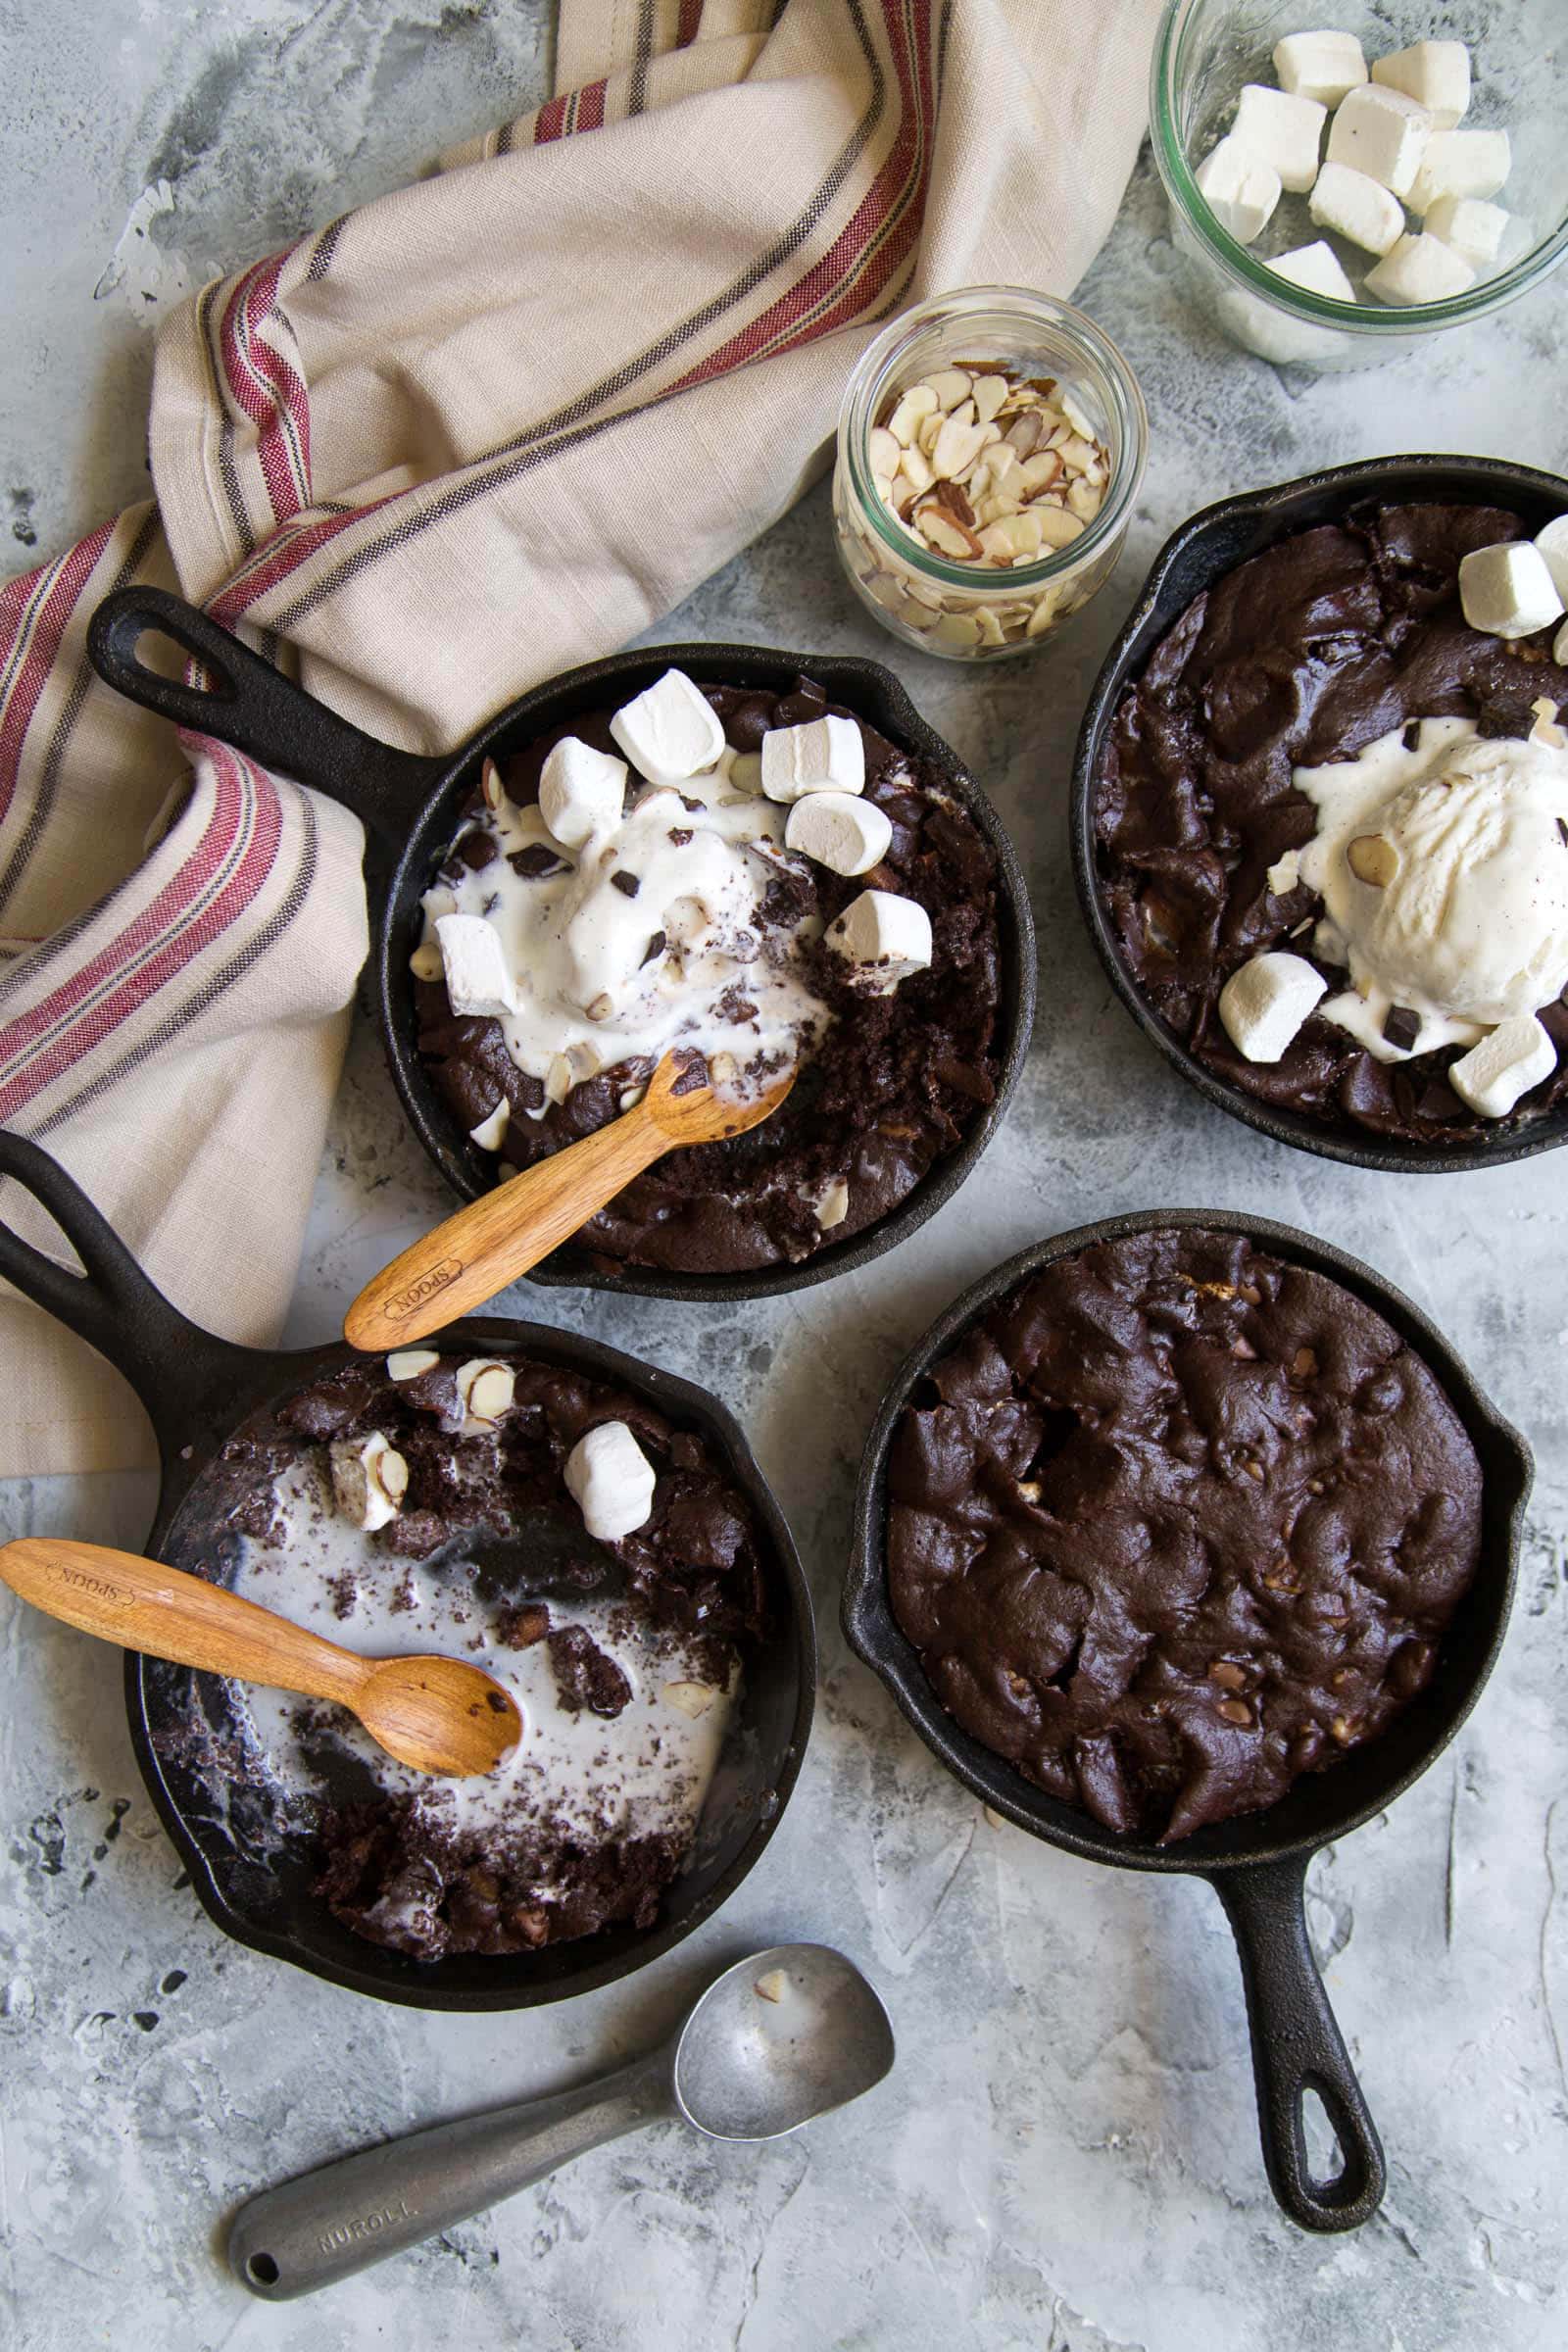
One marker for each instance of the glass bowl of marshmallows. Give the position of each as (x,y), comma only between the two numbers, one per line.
(1342,184)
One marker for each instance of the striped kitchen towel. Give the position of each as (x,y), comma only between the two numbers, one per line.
(483,428)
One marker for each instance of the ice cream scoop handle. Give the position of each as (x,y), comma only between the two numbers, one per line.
(349,2214)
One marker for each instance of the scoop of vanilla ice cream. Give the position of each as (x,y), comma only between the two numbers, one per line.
(1446,870)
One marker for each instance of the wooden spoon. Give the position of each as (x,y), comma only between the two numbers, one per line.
(490,1243)
(436,1714)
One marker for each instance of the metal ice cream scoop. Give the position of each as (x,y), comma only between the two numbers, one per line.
(785,2035)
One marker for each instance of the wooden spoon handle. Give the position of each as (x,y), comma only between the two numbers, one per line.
(139,1604)
(482,1248)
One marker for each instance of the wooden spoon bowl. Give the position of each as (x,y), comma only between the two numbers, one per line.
(471,1255)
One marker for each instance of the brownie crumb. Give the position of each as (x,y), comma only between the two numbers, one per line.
(584,1676)
(521,1628)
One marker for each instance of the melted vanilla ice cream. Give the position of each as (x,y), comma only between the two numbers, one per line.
(649,934)
(1443,869)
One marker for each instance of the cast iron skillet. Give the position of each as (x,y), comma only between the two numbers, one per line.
(1201,552)
(1256,1862)
(410,808)
(199,1390)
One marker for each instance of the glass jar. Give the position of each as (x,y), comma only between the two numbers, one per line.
(1207,50)
(966,609)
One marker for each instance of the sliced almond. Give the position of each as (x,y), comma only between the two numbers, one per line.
(946,534)
(834,1206)
(884,450)
(990,628)
(1056,530)
(1023,433)
(491,786)
(558,1079)
(990,391)
(951,388)
(690,1698)
(1016,535)
(1073,410)
(1044,613)
(959,629)
(1372,860)
(1037,473)
(1000,504)
(484,1389)
(916,616)
(956,446)
(1077,453)
(919,403)
(407,1363)
(914,470)
(1085,501)
(773,1986)
(929,428)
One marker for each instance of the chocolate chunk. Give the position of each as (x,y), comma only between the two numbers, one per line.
(536,862)
(655,947)
(1411,736)
(628,884)
(584,1676)
(681,835)
(477,851)
(1402,1027)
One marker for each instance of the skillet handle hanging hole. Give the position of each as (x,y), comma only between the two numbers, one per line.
(1298,2055)
(248,704)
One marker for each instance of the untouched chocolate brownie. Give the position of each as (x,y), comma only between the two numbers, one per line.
(685,1592)
(893,1088)
(1175,1523)
(1323,644)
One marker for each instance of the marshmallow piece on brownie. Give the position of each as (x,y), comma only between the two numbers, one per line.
(1435,73)
(1517,1056)
(580,790)
(1317,267)
(1507,591)
(1461,163)
(1419,268)
(824,755)
(1382,133)
(1283,130)
(669,731)
(1239,188)
(1263,1005)
(474,964)
(842,830)
(883,935)
(611,1480)
(1472,227)
(1358,206)
(1325,66)
(1553,544)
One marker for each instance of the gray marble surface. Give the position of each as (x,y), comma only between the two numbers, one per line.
(1066,2155)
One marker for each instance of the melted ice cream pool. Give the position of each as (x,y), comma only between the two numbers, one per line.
(1472,928)
(643,1772)
(594,986)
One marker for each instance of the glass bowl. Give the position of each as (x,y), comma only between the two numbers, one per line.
(966,611)
(1208,49)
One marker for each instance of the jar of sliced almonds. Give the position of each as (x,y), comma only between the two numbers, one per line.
(990,449)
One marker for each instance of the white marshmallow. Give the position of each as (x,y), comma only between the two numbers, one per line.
(841,830)
(1491,1076)
(669,731)
(1508,590)
(1473,227)
(1419,268)
(1382,133)
(1435,73)
(491,1133)
(1283,130)
(1461,163)
(1553,544)
(1239,188)
(1317,269)
(1357,206)
(883,933)
(825,754)
(369,1479)
(611,1480)
(1325,66)
(580,790)
(474,964)
(1264,1003)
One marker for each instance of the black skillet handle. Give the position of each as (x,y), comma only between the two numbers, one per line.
(189,1380)
(1297,2047)
(250,704)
